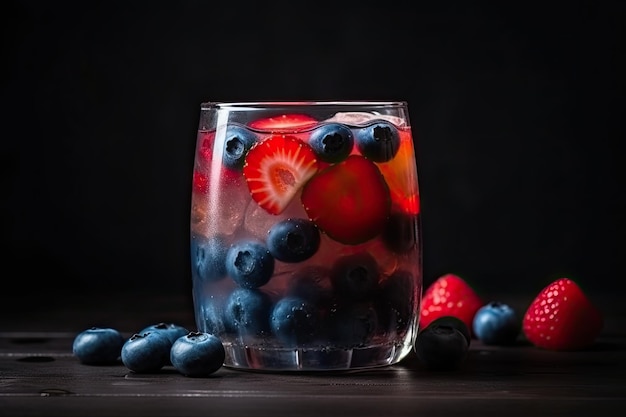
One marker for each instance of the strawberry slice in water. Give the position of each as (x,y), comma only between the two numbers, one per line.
(284,123)
(275,170)
(348,201)
(401,176)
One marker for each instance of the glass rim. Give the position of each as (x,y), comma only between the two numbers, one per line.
(251,105)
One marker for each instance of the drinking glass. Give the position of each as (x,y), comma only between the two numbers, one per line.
(305,233)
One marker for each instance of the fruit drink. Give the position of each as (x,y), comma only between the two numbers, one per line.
(305,248)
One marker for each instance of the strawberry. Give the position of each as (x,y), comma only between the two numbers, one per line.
(275,170)
(561,317)
(349,201)
(401,176)
(449,295)
(284,123)
(200,182)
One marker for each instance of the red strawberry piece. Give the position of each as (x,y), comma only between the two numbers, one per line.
(401,176)
(275,170)
(349,201)
(449,295)
(284,123)
(205,148)
(200,182)
(562,317)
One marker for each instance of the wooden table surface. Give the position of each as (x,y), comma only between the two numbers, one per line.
(40,377)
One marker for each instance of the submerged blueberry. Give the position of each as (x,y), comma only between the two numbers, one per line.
(355,277)
(293,240)
(311,283)
(237,143)
(294,320)
(332,142)
(247,311)
(378,142)
(249,263)
(208,257)
(398,302)
(352,324)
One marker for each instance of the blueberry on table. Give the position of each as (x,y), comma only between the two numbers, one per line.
(247,312)
(197,354)
(146,352)
(294,320)
(455,323)
(355,277)
(98,346)
(332,142)
(293,240)
(249,263)
(496,323)
(208,257)
(171,330)
(378,142)
(237,143)
(441,346)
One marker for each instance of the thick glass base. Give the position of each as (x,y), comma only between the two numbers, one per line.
(311,359)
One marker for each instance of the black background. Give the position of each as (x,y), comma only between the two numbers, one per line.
(518,114)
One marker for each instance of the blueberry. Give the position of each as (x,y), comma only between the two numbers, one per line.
(197,354)
(398,301)
(400,233)
(98,346)
(332,142)
(352,324)
(247,311)
(311,283)
(237,143)
(171,330)
(496,324)
(456,323)
(249,263)
(294,320)
(208,257)
(211,316)
(146,352)
(293,240)
(355,277)
(441,346)
(379,141)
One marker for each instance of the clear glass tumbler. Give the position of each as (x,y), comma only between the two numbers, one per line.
(305,234)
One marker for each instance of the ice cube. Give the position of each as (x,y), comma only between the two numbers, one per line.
(359,118)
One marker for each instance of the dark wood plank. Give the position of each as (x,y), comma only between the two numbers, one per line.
(40,377)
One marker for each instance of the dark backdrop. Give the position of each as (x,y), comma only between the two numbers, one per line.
(517,110)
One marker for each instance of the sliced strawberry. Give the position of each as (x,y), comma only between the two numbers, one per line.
(205,148)
(349,201)
(200,182)
(284,123)
(449,295)
(561,317)
(401,176)
(276,168)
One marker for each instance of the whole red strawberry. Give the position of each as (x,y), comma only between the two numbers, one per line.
(561,317)
(449,295)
